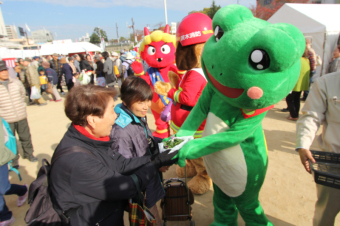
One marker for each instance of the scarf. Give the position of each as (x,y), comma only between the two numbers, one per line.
(74,70)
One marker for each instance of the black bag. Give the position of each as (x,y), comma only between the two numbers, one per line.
(42,212)
(130,71)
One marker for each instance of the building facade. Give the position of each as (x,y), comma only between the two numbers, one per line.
(3,32)
(12,32)
(41,36)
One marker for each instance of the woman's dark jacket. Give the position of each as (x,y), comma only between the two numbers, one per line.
(68,72)
(54,67)
(99,69)
(85,65)
(52,76)
(90,184)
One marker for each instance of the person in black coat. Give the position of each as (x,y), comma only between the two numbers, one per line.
(89,184)
(100,76)
(68,72)
(84,64)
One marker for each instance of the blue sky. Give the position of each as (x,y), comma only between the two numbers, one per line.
(71,19)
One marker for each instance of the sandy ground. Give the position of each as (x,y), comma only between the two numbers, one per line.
(288,194)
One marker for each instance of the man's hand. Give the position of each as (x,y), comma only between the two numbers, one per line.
(306,155)
(164,169)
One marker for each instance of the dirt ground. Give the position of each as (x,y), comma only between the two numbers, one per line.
(287,196)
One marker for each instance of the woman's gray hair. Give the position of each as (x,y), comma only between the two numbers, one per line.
(97,57)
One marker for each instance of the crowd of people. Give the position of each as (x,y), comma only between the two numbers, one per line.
(117,138)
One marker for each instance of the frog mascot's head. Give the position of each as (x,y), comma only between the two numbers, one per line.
(251,63)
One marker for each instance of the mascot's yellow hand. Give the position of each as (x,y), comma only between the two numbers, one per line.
(162,88)
(174,78)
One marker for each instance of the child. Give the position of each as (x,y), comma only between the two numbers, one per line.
(43,80)
(132,136)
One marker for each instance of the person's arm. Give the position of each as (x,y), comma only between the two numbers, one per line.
(91,177)
(238,132)
(313,114)
(189,89)
(127,166)
(105,67)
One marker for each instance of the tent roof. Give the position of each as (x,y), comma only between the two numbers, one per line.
(310,18)
(66,48)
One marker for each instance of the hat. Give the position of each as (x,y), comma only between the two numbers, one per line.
(115,54)
(122,51)
(36,57)
(3,65)
(137,67)
(27,59)
(55,54)
(63,60)
(45,64)
(129,56)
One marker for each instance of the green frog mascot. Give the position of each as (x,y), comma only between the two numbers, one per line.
(250,65)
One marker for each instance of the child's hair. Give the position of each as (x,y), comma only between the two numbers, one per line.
(40,70)
(135,89)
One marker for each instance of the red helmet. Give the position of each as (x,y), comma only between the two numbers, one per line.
(194,28)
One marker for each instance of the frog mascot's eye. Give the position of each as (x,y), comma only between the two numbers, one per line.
(151,50)
(259,59)
(218,33)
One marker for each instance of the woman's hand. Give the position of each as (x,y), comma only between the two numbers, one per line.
(164,169)
(306,155)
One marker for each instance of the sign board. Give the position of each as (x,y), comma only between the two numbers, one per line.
(173,28)
(21,30)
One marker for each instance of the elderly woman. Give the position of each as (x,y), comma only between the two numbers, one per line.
(87,186)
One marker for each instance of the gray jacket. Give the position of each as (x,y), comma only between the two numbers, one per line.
(110,77)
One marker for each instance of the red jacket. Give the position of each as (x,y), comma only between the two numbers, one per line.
(189,90)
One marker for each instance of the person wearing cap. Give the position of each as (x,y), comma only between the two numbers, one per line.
(23,78)
(126,64)
(34,80)
(118,63)
(53,79)
(55,65)
(35,61)
(122,55)
(13,111)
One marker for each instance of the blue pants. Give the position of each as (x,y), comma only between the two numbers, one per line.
(8,189)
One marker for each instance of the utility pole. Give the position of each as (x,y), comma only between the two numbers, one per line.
(117,33)
(166,14)
(133,29)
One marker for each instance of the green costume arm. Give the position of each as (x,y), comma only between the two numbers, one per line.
(237,133)
(197,114)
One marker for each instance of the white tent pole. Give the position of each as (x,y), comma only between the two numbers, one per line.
(323,55)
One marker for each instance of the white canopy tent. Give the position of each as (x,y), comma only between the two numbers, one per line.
(66,48)
(49,49)
(319,22)
(14,53)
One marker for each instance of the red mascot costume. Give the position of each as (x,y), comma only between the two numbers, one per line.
(194,30)
(158,50)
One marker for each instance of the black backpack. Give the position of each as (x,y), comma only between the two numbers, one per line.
(42,212)
(130,71)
